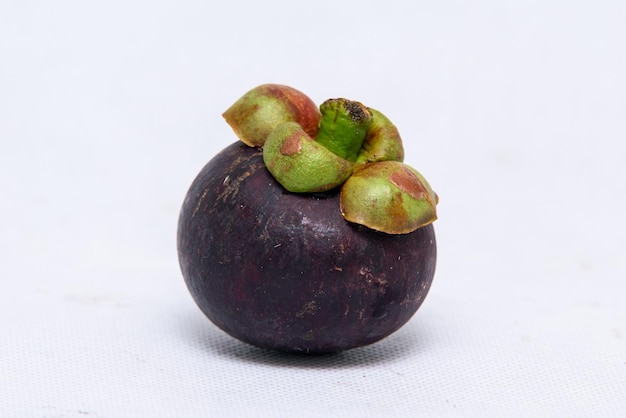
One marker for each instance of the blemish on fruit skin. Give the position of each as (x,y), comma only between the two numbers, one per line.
(308,309)
(364,271)
(292,145)
(197,208)
(231,189)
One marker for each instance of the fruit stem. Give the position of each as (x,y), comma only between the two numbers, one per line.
(343,127)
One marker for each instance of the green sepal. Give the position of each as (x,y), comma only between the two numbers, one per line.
(300,164)
(388,196)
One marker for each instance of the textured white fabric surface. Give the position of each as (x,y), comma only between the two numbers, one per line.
(515,113)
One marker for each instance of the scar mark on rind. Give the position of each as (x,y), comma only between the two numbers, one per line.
(197,208)
(308,309)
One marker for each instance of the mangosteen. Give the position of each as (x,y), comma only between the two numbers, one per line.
(309,234)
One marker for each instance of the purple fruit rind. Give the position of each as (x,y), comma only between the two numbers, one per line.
(285,271)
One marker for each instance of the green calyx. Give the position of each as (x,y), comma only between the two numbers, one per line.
(388,196)
(382,142)
(343,144)
(255,115)
(300,164)
(343,127)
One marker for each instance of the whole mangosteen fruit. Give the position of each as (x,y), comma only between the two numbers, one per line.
(310,235)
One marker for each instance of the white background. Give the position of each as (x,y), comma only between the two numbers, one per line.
(515,112)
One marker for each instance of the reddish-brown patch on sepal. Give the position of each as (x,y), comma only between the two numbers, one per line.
(292,145)
(303,110)
(259,111)
(408,182)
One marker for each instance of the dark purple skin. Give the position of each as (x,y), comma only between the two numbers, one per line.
(285,271)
